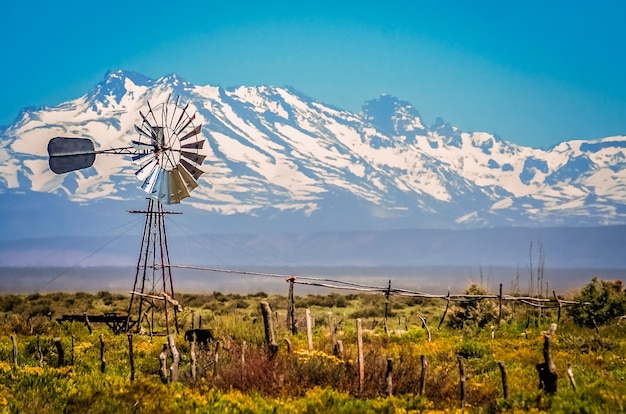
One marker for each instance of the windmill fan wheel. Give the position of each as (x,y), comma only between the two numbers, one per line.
(168,148)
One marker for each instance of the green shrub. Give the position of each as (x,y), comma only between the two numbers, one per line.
(601,302)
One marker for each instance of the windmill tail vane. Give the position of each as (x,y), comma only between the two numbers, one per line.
(167,147)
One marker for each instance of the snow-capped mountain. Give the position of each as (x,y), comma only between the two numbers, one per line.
(275,155)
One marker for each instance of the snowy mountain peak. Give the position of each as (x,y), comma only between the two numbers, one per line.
(276,154)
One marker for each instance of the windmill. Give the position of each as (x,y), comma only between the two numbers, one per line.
(168,151)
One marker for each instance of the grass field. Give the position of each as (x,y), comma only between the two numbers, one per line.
(244,377)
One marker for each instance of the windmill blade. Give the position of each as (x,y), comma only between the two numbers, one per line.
(141,155)
(194,157)
(143,172)
(150,181)
(180,118)
(194,145)
(192,133)
(191,169)
(142,146)
(177,188)
(70,154)
(189,121)
(187,178)
(163,194)
(144,133)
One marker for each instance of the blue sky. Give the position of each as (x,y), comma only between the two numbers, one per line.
(534,72)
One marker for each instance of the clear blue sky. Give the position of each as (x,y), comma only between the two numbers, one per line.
(534,72)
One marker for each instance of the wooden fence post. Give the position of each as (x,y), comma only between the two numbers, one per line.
(131,357)
(423,374)
(193,356)
(387,293)
(445,311)
(425,326)
(270,339)
(547,370)
(333,335)
(60,352)
(462,380)
(175,358)
(163,364)
(72,354)
(14,342)
(291,307)
(505,382)
(500,305)
(88,323)
(388,377)
(570,375)
(39,352)
(558,301)
(102,360)
(216,359)
(359,339)
(309,329)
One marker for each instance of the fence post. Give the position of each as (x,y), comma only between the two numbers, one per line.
(423,374)
(425,326)
(175,358)
(163,364)
(388,376)
(309,331)
(270,339)
(359,339)
(102,360)
(60,352)
(14,342)
(505,382)
(445,311)
(500,305)
(72,354)
(39,352)
(462,379)
(131,356)
(558,301)
(88,323)
(291,307)
(570,375)
(193,356)
(333,335)
(547,370)
(387,293)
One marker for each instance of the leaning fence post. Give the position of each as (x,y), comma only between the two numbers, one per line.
(270,339)
(445,311)
(425,326)
(88,323)
(14,342)
(39,352)
(570,375)
(359,339)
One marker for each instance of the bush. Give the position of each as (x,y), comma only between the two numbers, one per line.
(601,302)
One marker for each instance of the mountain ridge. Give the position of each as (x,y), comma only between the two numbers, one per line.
(275,152)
